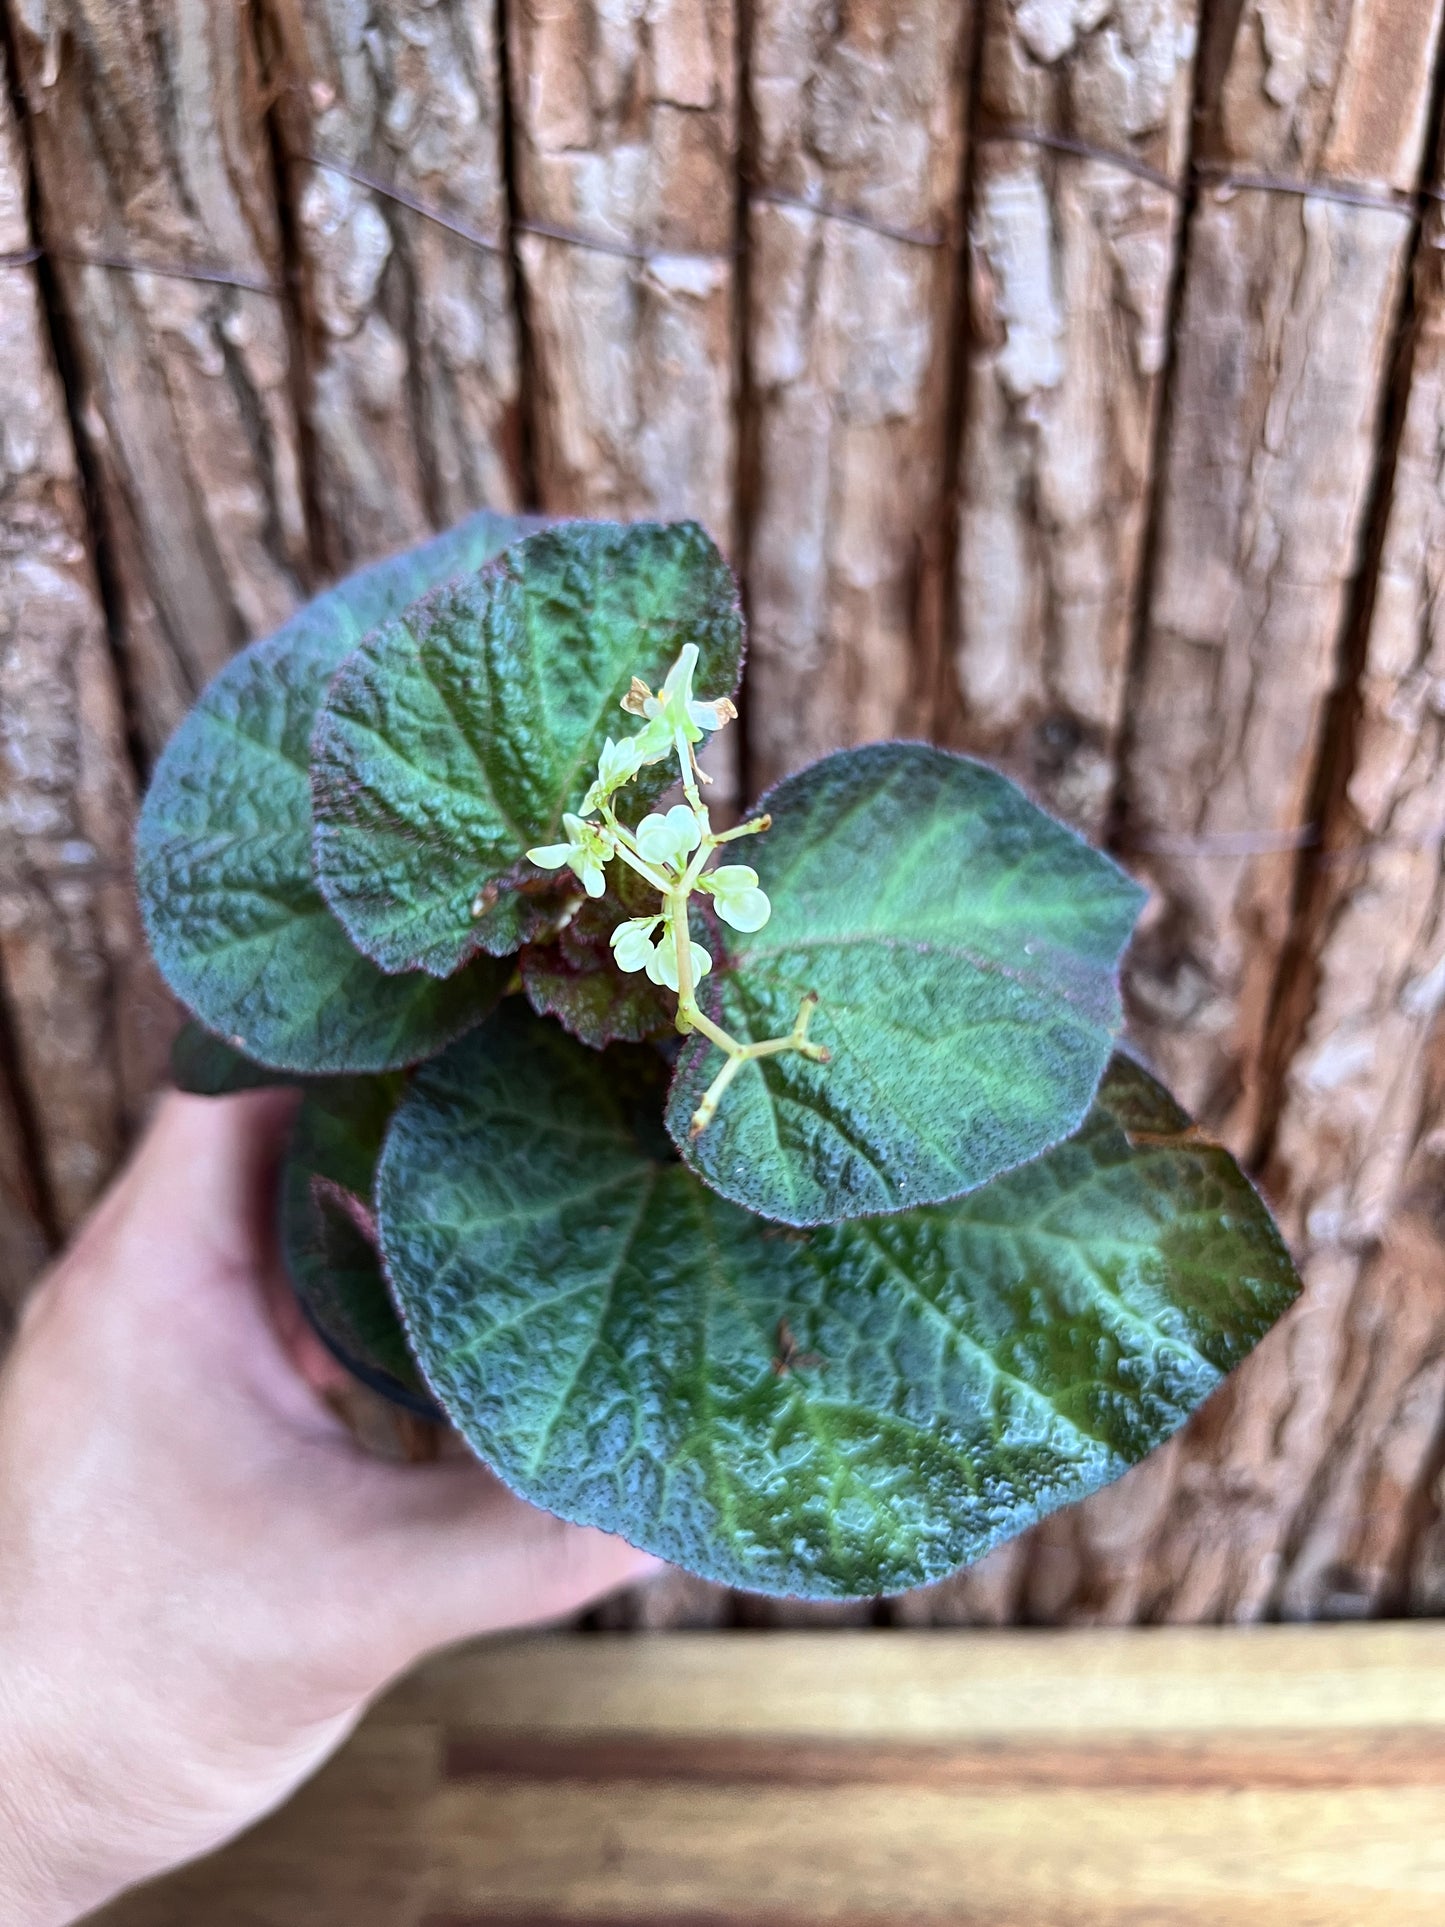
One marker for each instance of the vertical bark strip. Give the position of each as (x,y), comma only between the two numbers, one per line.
(410,326)
(858,115)
(1366,1535)
(86,1018)
(23,1243)
(1290,303)
(1071,265)
(1285,338)
(1350,1142)
(625,128)
(1377,973)
(149,145)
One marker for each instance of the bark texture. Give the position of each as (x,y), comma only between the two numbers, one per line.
(1288,322)
(1071,264)
(149,137)
(411,338)
(1286,326)
(626,129)
(1355,1159)
(84,1007)
(24,1245)
(858,115)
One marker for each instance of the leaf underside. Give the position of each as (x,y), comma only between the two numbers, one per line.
(965,949)
(333,1263)
(456,737)
(835,1413)
(223,848)
(576,980)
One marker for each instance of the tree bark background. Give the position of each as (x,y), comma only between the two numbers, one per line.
(1066,379)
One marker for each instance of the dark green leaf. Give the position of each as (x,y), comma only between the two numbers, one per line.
(329,1241)
(207,1066)
(575,980)
(840,1412)
(965,948)
(223,850)
(454,740)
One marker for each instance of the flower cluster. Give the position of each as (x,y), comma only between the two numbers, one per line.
(670,849)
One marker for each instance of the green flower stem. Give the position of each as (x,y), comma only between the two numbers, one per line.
(711,842)
(628,851)
(740,1054)
(691,1017)
(753,828)
(687,763)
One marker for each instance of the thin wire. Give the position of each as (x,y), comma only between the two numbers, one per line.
(1218,177)
(1351,193)
(165,271)
(909,237)
(1085,150)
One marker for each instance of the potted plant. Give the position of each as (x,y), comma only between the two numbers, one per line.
(775,1195)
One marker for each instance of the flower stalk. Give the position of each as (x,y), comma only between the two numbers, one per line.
(671,851)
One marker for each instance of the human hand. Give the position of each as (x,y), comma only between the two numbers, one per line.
(203,1578)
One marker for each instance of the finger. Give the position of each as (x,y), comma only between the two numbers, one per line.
(214,1161)
(456,1554)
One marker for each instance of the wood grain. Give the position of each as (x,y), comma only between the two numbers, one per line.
(1286,329)
(858,114)
(1373,978)
(1288,326)
(87,1020)
(626,129)
(1282,1776)
(149,144)
(411,339)
(24,1243)
(1071,265)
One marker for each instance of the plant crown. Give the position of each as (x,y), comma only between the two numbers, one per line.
(799,1219)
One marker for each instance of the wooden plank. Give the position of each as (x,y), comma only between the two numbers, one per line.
(1289,305)
(1071,263)
(1279,1776)
(411,330)
(149,142)
(626,130)
(858,111)
(87,1019)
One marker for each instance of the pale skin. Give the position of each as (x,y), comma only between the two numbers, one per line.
(203,1579)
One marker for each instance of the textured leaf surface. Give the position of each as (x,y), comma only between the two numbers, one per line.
(333,1262)
(576,980)
(207,1066)
(965,948)
(223,849)
(454,740)
(608,1333)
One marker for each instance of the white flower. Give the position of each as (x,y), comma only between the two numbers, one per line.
(669,839)
(633,943)
(585,852)
(618,764)
(635,948)
(674,711)
(662,965)
(734,889)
